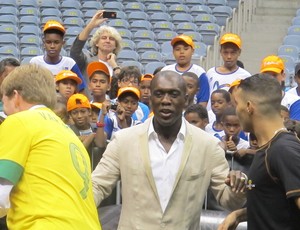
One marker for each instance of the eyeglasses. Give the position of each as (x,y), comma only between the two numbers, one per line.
(130,80)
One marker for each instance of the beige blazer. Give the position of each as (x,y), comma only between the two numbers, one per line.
(203,164)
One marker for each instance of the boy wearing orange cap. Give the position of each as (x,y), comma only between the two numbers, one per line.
(183,50)
(274,66)
(53,40)
(99,81)
(66,83)
(128,98)
(222,76)
(145,88)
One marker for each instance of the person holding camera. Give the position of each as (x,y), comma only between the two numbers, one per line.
(105,45)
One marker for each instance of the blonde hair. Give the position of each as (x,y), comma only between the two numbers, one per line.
(34,83)
(112,32)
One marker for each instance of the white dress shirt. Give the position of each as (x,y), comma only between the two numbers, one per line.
(164,164)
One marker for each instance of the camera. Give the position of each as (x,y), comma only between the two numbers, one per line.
(113,105)
(109,14)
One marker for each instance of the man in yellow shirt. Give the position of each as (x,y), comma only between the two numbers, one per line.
(45,180)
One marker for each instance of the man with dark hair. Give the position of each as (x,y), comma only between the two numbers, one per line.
(164,170)
(273,197)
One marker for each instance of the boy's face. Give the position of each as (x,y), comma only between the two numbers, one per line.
(99,84)
(145,92)
(130,104)
(218,103)
(231,125)
(66,87)
(106,43)
(128,81)
(285,115)
(94,115)
(191,87)
(194,119)
(53,44)
(230,54)
(81,117)
(182,53)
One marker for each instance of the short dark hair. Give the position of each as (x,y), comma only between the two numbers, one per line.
(54,31)
(229,111)
(265,90)
(130,71)
(197,108)
(191,75)
(8,62)
(225,94)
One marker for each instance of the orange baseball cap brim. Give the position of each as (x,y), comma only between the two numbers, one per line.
(97,66)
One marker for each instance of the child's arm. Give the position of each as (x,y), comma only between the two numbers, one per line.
(100,136)
(121,117)
(243,152)
(87,139)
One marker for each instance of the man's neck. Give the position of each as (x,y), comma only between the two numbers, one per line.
(102,56)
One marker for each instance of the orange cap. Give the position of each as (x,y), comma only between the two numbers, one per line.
(129,89)
(234,84)
(54,25)
(231,38)
(183,38)
(96,105)
(147,77)
(96,66)
(78,101)
(67,74)
(273,64)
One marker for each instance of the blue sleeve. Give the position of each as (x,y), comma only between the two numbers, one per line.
(145,111)
(108,128)
(203,93)
(295,110)
(76,70)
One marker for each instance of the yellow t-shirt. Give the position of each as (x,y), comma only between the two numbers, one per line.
(50,170)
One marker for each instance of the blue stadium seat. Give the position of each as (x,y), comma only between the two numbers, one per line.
(137,15)
(128,44)
(169,59)
(140,25)
(160,17)
(71,13)
(298,12)
(233,3)
(25,60)
(222,13)
(183,27)
(165,35)
(152,66)
(29,11)
(156,8)
(119,23)
(13,3)
(134,6)
(9,51)
(30,30)
(204,18)
(144,46)
(125,34)
(51,12)
(30,40)
(46,19)
(200,49)
(91,5)
(178,8)
(69,42)
(289,64)
(148,2)
(294,30)
(292,40)
(8,29)
(9,10)
(191,3)
(89,14)
(30,51)
(8,19)
(72,31)
(166,48)
(208,32)
(46,4)
(182,17)
(197,37)
(128,55)
(289,50)
(169,3)
(213,3)
(73,21)
(70,5)
(27,3)
(150,56)
(9,40)
(113,6)
(200,9)
(121,15)
(296,20)
(29,20)
(163,25)
(143,35)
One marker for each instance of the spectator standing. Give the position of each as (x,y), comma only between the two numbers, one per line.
(296,90)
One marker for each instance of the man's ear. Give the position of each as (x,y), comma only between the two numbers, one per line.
(250,107)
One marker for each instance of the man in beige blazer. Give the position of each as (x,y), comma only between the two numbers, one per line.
(166,166)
